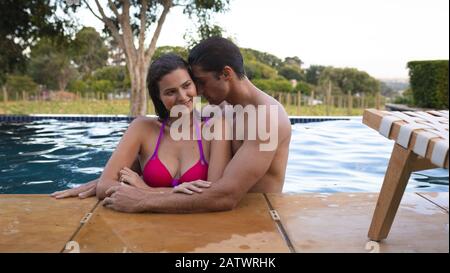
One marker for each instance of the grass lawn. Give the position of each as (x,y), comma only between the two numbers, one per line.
(122,107)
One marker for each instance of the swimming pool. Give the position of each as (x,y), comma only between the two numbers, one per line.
(329,156)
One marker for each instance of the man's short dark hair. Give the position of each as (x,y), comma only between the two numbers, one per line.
(214,53)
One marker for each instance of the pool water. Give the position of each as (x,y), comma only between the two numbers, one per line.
(330,156)
(347,156)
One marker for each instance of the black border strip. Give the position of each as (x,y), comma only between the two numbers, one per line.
(87,118)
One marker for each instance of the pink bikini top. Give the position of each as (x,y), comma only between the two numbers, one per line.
(155,173)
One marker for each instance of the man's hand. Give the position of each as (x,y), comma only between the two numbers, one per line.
(126,198)
(129,176)
(191,187)
(83,191)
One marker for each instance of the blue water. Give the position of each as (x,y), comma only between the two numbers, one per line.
(346,156)
(331,156)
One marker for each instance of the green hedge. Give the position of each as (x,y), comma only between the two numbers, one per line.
(429,83)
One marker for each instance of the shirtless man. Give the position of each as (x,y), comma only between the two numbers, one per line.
(218,70)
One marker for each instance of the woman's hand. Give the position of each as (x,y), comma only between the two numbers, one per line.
(132,178)
(191,187)
(83,191)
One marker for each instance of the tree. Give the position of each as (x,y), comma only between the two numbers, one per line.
(204,31)
(303,87)
(116,53)
(274,85)
(291,72)
(178,50)
(295,61)
(345,80)
(88,50)
(50,64)
(263,57)
(257,70)
(21,23)
(117,75)
(313,74)
(15,84)
(127,28)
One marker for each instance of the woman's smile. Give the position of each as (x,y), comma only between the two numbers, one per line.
(188,103)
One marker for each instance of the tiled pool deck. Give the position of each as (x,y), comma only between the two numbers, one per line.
(308,223)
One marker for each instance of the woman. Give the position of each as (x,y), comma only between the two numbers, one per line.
(166,164)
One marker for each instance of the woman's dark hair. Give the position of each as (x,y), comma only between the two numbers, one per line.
(158,69)
(214,53)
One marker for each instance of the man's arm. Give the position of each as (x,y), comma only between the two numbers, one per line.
(244,170)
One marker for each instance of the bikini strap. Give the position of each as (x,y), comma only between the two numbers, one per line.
(199,141)
(161,133)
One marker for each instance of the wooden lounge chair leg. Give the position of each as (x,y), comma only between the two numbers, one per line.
(395,181)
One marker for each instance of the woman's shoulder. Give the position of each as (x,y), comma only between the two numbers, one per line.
(145,123)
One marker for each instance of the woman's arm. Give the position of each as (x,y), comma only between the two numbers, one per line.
(88,189)
(124,156)
(136,167)
(220,151)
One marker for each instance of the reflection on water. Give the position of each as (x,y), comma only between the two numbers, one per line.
(332,156)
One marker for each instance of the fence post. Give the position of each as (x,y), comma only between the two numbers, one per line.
(327,99)
(377,101)
(288,101)
(349,103)
(299,101)
(5,94)
(312,97)
(362,101)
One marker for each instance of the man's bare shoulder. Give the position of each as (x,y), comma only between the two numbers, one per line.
(282,119)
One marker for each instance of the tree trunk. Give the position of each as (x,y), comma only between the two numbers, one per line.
(139,91)
(137,59)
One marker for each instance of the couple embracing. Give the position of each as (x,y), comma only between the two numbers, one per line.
(218,158)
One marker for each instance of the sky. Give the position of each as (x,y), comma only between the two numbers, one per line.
(376,36)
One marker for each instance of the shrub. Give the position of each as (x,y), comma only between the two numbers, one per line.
(429,83)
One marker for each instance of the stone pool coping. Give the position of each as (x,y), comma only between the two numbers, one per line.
(313,222)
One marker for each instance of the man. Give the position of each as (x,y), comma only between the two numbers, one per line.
(218,70)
